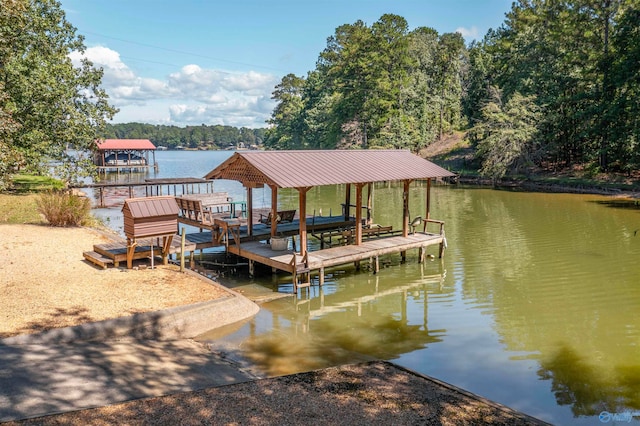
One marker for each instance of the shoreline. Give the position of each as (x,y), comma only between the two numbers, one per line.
(546,187)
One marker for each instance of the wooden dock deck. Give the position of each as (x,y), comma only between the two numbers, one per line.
(116,252)
(297,265)
(254,248)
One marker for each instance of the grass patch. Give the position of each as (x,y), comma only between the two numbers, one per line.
(19,208)
(31,183)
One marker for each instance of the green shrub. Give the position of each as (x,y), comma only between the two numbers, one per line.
(61,208)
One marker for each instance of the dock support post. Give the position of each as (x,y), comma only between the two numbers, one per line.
(376,265)
(251,268)
(131,247)
(183,238)
(321,277)
(421,251)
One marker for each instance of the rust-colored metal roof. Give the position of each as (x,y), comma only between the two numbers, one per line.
(296,169)
(150,207)
(125,144)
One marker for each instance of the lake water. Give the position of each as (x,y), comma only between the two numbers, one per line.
(535,304)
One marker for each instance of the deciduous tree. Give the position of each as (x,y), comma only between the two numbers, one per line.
(507,133)
(55,104)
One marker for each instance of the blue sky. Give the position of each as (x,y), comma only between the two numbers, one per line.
(211,62)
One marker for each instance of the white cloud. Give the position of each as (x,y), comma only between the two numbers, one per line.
(468,33)
(192,95)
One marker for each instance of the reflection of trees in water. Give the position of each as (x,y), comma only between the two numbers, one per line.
(587,388)
(359,322)
(339,340)
(548,269)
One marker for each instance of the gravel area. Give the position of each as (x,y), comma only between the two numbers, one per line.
(376,393)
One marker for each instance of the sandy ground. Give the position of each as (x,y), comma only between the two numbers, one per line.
(46,283)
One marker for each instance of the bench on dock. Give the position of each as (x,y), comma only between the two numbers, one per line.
(201,210)
(215,202)
(283,216)
(193,213)
(347,236)
(374,231)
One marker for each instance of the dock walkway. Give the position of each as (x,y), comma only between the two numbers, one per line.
(292,262)
(234,236)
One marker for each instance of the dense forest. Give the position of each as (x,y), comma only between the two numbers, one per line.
(558,84)
(190,137)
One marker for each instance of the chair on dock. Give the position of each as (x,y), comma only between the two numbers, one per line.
(282,216)
(193,213)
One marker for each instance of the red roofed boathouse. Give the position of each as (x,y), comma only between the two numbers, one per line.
(125,155)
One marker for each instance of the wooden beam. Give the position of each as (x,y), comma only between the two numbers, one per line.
(358,240)
(428,207)
(249,210)
(274,210)
(405,208)
(369,202)
(302,202)
(347,201)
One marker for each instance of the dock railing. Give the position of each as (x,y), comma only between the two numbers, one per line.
(437,222)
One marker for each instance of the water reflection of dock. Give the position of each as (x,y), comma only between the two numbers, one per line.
(345,325)
(327,306)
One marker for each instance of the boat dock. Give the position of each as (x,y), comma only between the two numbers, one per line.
(256,248)
(302,267)
(264,239)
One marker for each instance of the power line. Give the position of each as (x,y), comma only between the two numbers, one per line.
(183,52)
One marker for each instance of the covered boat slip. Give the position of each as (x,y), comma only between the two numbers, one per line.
(124,155)
(302,170)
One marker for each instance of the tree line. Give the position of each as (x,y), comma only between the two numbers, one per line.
(381,86)
(556,85)
(193,137)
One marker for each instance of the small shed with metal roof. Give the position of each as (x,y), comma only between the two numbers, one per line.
(301,170)
(149,217)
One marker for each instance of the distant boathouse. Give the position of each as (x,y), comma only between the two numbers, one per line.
(119,155)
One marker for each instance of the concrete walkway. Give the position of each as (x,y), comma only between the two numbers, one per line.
(40,379)
(121,359)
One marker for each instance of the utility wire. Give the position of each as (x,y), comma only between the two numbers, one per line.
(183,52)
